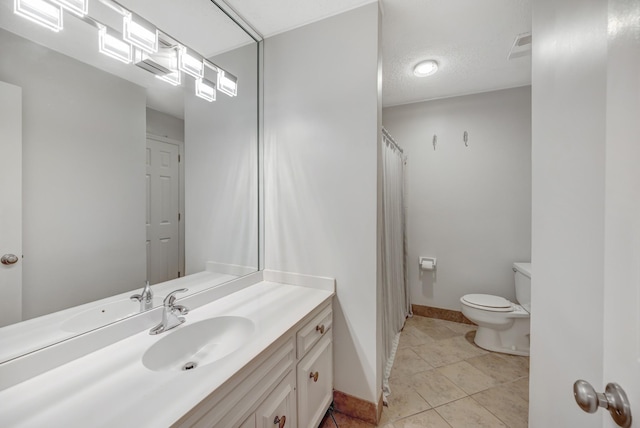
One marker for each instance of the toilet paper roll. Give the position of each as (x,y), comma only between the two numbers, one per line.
(426,265)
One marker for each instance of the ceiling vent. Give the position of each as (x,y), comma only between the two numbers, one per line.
(521,46)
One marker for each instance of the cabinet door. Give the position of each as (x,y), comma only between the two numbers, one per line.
(315,383)
(278,410)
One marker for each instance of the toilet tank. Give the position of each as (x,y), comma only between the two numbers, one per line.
(522,274)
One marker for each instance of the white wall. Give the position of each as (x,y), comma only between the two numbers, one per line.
(321,128)
(568,157)
(468,206)
(164,125)
(221,170)
(83,178)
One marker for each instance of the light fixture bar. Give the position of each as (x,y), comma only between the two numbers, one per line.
(174,78)
(41,12)
(227,83)
(114,46)
(79,7)
(206,90)
(190,62)
(165,61)
(140,33)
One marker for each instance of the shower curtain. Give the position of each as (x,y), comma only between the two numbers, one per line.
(395,297)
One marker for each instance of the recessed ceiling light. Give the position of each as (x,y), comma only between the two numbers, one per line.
(426,68)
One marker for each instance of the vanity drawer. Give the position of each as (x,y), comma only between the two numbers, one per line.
(313,331)
(315,383)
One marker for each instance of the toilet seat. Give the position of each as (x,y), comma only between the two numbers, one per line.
(488,302)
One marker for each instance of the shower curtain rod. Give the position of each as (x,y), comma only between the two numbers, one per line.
(390,138)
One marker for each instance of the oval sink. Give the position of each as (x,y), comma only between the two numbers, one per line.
(195,345)
(103,314)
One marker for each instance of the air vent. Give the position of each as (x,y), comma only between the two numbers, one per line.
(521,46)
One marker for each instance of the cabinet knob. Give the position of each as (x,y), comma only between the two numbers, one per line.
(313,376)
(320,328)
(280,421)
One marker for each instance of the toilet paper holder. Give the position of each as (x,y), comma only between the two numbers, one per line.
(427,263)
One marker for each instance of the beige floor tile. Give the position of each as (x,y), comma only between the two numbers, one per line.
(467,413)
(430,419)
(467,377)
(437,331)
(509,408)
(407,363)
(460,328)
(436,388)
(403,403)
(519,388)
(448,351)
(499,367)
(411,336)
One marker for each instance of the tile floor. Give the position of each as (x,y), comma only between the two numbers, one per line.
(441,379)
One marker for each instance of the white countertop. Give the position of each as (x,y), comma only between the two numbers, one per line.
(26,336)
(112,388)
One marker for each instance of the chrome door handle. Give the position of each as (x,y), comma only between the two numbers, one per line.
(614,399)
(9,259)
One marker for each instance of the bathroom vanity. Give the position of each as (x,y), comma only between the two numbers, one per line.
(256,354)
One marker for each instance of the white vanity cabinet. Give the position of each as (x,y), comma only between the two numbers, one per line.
(289,385)
(314,374)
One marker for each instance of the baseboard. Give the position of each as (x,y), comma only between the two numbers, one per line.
(441,314)
(358,408)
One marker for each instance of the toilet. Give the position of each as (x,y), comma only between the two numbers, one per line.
(503,326)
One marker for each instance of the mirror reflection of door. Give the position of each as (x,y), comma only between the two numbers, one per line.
(11,202)
(164,243)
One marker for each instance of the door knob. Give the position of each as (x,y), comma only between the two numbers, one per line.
(614,399)
(9,259)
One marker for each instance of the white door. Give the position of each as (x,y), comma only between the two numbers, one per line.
(622,206)
(163,211)
(586,207)
(10,203)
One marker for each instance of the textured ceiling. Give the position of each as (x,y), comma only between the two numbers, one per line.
(469,38)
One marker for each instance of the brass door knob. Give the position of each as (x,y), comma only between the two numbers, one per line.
(320,328)
(314,376)
(280,421)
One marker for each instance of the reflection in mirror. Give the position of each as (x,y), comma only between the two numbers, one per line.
(125,177)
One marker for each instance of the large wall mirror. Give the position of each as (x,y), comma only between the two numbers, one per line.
(127,175)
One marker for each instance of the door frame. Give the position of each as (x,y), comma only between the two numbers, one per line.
(181,240)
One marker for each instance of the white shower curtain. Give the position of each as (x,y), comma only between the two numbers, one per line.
(396,305)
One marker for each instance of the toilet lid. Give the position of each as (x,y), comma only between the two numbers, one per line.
(490,302)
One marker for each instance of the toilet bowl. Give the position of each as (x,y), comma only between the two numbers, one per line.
(503,326)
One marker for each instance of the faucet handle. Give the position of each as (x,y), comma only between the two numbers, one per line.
(171,298)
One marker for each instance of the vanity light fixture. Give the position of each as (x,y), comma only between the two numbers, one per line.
(139,33)
(190,62)
(174,78)
(114,46)
(227,83)
(205,86)
(163,62)
(426,68)
(79,7)
(41,12)
(205,90)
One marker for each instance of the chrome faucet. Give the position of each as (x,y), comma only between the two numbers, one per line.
(145,298)
(170,314)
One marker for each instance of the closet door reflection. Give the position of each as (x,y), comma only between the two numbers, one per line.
(165,249)
(10,204)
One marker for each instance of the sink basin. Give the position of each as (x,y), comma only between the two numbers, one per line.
(195,345)
(103,314)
